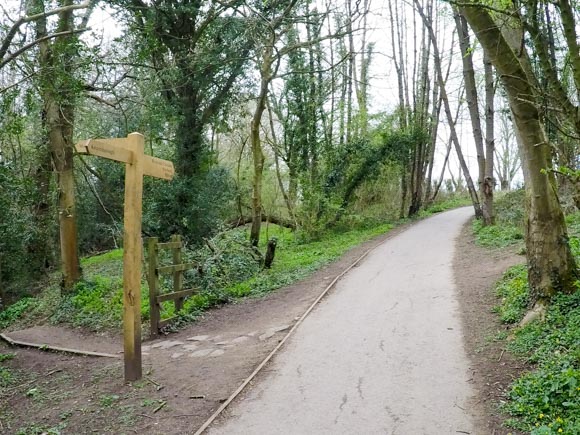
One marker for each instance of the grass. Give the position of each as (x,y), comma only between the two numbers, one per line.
(545,400)
(512,291)
(496,236)
(446,204)
(96,303)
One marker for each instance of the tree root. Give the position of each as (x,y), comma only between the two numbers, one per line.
(538,312)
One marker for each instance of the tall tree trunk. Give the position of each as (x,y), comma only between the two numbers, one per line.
(275,147)
(256,143)
(57,58)
(488,180)
(551,266)
(471,92)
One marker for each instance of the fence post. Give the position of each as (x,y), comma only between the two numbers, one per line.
(153,280)
(177,276)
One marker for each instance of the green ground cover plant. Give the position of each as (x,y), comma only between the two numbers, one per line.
(545,400)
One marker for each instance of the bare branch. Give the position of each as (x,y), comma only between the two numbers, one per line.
(37,41)
(12,32)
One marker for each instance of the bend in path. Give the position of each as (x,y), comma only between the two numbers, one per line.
(383,354)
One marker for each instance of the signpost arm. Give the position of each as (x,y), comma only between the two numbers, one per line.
(132,258)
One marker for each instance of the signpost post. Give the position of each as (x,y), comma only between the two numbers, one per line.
(130,151)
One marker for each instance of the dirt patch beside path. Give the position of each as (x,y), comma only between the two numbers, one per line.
(187,374)
(476,271)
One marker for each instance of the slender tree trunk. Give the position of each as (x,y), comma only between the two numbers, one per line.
(275,145)
(256,144)
(454,137)
(488,181)
(471,93)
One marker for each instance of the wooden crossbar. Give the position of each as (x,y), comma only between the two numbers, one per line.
(163,323)
(175,295)
(176,268)
(169,245)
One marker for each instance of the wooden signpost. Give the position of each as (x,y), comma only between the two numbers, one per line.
(130,151)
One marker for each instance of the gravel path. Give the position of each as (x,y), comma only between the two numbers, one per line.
(382,355)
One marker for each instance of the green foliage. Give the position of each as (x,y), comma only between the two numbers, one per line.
(6,357)
(35,429)
(547,399)
(7,376)
(96,303)
(445,204)
(573,224)
(15,311)
(21,256)
(510,207)
(296,259)
(192,207)
(513,293)
(101,259)
(496,236)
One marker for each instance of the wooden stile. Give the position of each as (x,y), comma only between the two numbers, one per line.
(176,269)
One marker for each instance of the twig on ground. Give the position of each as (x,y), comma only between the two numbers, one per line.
(160,406)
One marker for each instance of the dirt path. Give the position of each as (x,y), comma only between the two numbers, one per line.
(492,368)
(383,354)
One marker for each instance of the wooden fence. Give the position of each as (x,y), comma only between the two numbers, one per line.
(155,270)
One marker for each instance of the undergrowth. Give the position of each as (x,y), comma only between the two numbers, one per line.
(509,222)
(228,270)
(545,400)
(496,236)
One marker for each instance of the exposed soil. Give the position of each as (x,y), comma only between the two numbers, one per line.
(185,381)
(477,269)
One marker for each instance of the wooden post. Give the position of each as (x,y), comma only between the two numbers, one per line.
(153,279)
(130,150)
(178,275)
(132,258)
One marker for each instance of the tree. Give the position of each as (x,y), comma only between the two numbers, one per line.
(447,107)
(59,90)
(198,50)
(484,153)
(551,266)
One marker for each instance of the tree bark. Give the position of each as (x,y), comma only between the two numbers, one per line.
(256,143)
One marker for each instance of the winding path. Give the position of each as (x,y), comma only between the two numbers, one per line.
(383,354)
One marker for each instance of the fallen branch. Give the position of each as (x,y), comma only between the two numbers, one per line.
(55,348)
(278,220)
